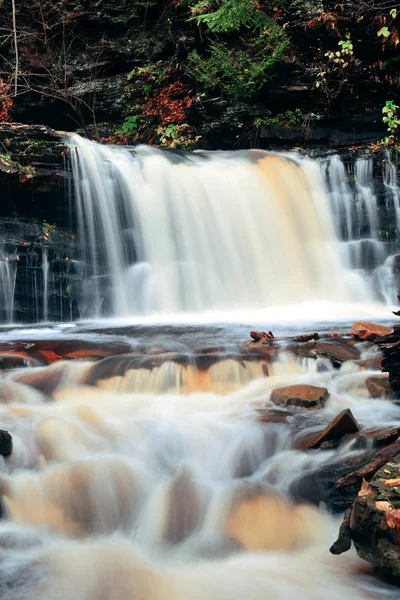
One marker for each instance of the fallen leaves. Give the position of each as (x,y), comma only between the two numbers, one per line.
(365,490)
(393,518)
(392,482)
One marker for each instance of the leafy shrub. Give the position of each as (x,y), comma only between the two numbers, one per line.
(239,74)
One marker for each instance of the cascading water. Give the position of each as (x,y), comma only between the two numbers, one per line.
(8,271)
(169,233)
(155,489)
(152,463)
(366,215)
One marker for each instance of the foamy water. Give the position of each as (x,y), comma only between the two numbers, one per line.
(174,492)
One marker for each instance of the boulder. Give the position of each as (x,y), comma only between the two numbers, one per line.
(306,337)
(364,330)
(6,443)
(379,437)
(379,386)
(343,424)
(374,524)
(300,397)
(337,482)
(338,350)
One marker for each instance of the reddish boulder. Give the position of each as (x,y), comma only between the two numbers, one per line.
(343,424)
(379,386)
(300,397)
(364,330)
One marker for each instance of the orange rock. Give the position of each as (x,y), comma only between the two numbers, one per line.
(300,397)
(364,330)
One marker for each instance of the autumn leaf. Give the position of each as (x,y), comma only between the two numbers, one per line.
(393,482)
(393,518)
(365,489)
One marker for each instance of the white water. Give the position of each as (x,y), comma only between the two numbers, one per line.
(357,211)
(160,481)
(172,492)
(8,271)
(215,232)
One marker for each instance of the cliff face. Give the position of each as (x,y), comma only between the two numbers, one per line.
(36,226)
(309,72)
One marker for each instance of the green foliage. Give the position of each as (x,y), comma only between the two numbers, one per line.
(289,117)
(392,120)
(129,127)
(239,74)
(223,16)
(384,31)
(177,136)
(152,72)
(343,54)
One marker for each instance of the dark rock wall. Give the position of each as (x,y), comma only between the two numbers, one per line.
(75,58)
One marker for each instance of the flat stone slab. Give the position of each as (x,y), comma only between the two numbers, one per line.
(337,350)
(364,330)
(300,397)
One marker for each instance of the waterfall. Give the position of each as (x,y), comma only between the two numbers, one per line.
(8,271)
(169,233)
(367,219)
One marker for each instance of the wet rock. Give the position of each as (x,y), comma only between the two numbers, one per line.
(379,386)
(184,513)
(336,483)
(375,520)
(261,519)
(343,543)
(379,437)
(300,397)
(338,350)
(15,361)
(307,337)
(262,336)
(364,330)
(6,443)
(390,347)
(267,415)
(343,424)
(370,364)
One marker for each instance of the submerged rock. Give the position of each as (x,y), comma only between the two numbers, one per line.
(300,397)
(338,350)
(364,330)
(6,443)
(379,386)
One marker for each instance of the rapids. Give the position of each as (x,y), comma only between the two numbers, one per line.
(163,482)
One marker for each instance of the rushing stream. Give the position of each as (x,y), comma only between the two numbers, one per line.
(163,483)
(147,471)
